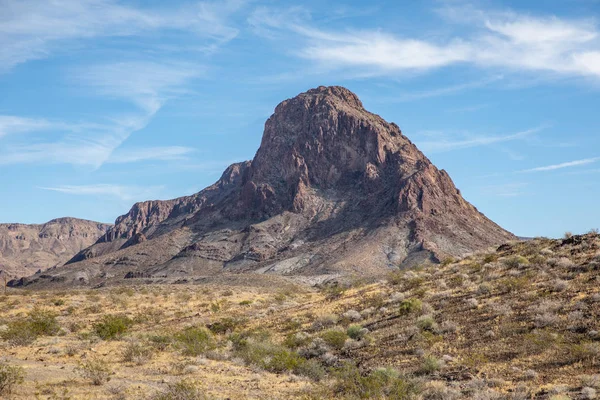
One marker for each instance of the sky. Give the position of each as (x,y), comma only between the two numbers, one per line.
(104,103)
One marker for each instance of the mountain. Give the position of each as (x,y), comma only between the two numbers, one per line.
(332,190)
(25,249)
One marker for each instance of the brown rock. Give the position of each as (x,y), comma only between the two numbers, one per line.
(333,189)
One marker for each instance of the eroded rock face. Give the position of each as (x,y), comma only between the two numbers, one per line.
(333,189)
(25,249)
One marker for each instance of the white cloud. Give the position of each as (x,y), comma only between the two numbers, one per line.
(167,153)
(147,85)
(568,164)
(505,40)
(10,124)
(34,29)
(127,193)
(441,142)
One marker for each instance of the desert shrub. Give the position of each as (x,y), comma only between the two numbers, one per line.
(513,284)
(137,353)
(38,322)
(96,370)
(10,376)
(588,393)
(356,331)
(324,322)
(427,323)
(112,326)
(489,258)
(448,261)
(333,292)
(588,352)
(195,340)
(295,340)
(228,324)
(160,342)
(430,365)
(334,338)
(381,383)
(410,306)
(515,261)
(311,369)
(245,302)
(58,302)
(182,390)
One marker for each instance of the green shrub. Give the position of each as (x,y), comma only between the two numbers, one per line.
(410,306)
(160,342)
(182,390)
(38,322)
(515,261)
(381,383)
(262,353)
(112,326)
(356,332)
(95,370)
(137,353)
(225,325)
(10,376)
(430,365)
(427,323)
(195,340)
(245,302)
(334,338)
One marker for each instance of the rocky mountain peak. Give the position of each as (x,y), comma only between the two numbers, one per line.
(332,189)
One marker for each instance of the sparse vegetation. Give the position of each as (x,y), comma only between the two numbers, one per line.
(10,376)
(112,326)
(489,326)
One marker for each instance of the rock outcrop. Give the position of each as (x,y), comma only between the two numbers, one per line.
(333,189)
(25,249)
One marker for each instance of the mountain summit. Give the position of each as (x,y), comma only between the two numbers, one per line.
(333,189)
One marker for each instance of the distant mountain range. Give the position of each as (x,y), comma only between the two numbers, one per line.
(25,249)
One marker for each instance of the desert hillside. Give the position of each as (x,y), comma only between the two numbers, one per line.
(518,322)
(25,249)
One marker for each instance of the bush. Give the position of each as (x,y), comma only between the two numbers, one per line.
(137,353)
(334,338)
(195,341)
(38,322)
(95,370)
(427,323)
(410,306)
(430,365)
(515,261)
(10,376)
(381,383)
(225,325)
(356,332)
(182,390)
(112,326)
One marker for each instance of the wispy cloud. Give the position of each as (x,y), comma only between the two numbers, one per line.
(443,91)
(441,142)
(122,192)
(167,153)
(495,39)
(35,29)
(505,189)
(568,164)
(146,85)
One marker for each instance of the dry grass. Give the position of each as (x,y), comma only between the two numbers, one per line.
(517,323)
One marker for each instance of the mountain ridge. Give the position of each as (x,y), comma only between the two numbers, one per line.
(333,189)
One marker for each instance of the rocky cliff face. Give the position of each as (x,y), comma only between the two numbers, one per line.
(25,249)
(333,189)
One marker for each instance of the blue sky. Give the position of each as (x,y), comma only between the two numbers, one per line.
(104,103)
